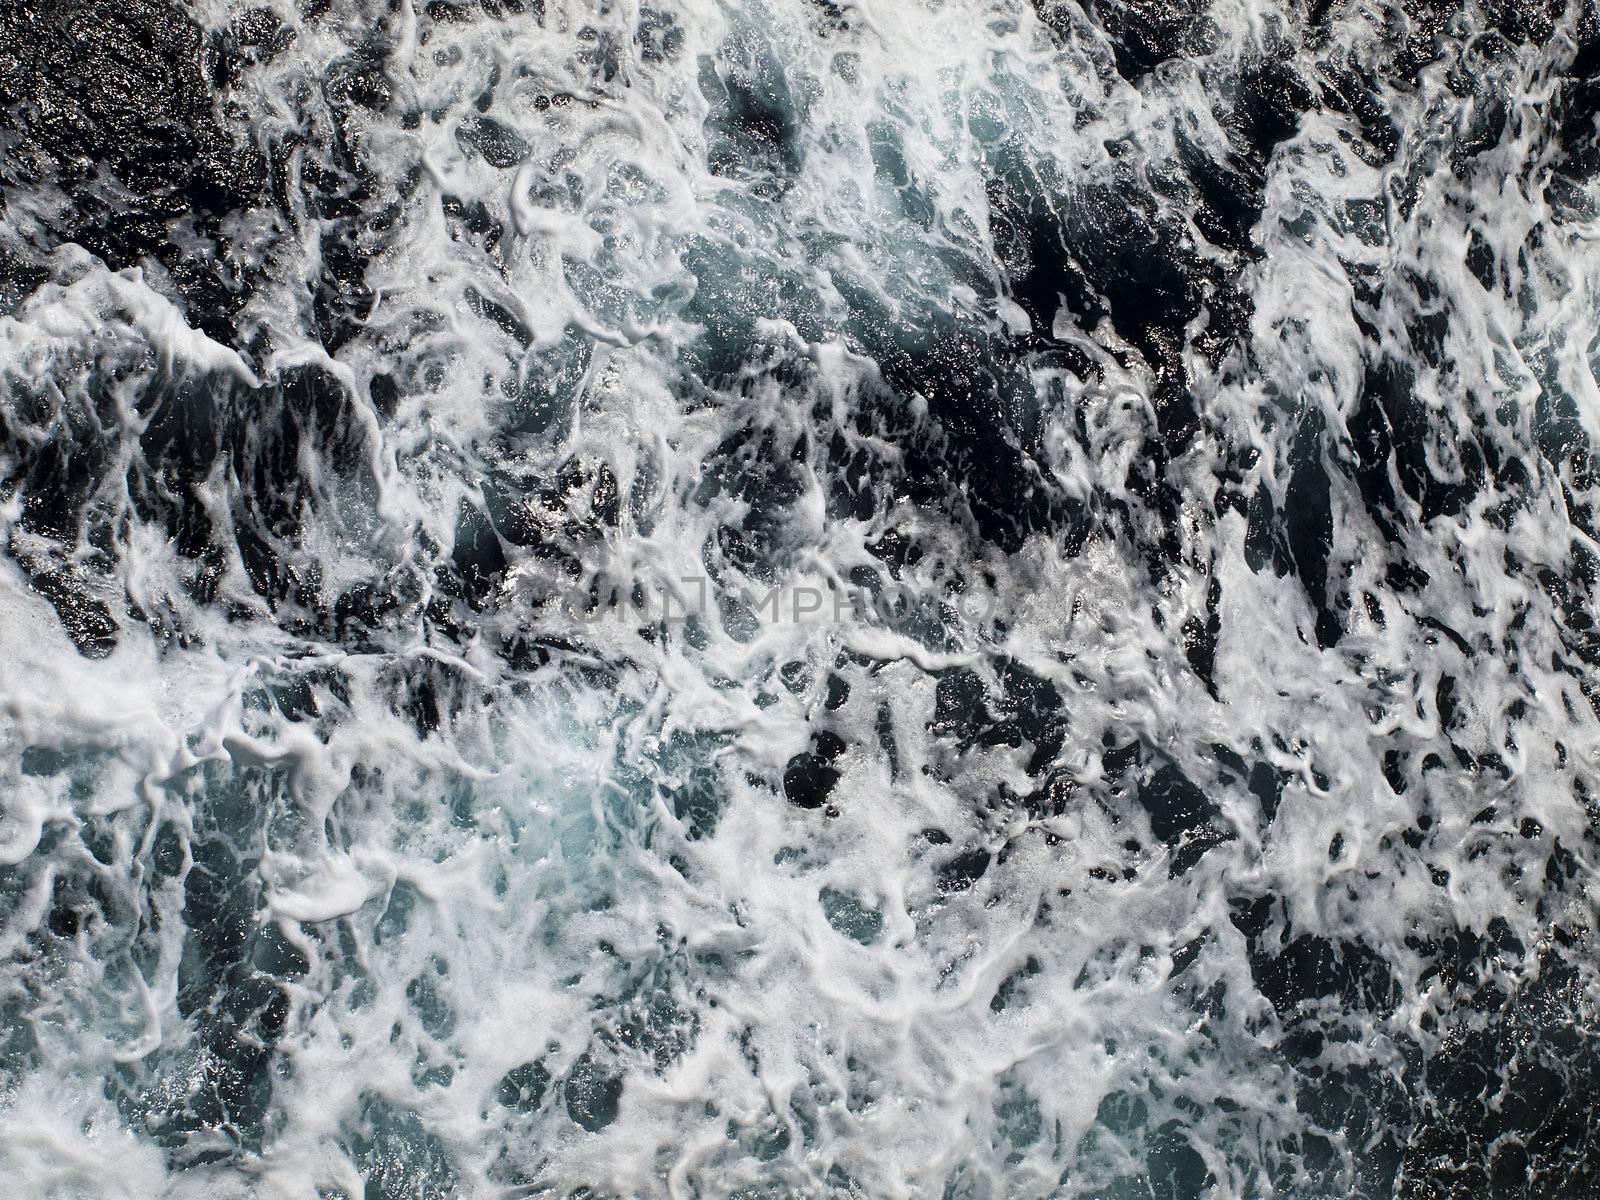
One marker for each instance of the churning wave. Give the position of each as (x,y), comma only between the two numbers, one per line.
(799,598)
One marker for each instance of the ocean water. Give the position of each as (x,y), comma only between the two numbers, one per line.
(799,598)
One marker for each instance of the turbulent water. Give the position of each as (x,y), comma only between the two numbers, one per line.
(902,598)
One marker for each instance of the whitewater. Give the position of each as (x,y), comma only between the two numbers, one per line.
(799,599)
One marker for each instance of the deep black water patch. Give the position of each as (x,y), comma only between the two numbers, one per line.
(810,776)
(131,89)
(1181,815)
